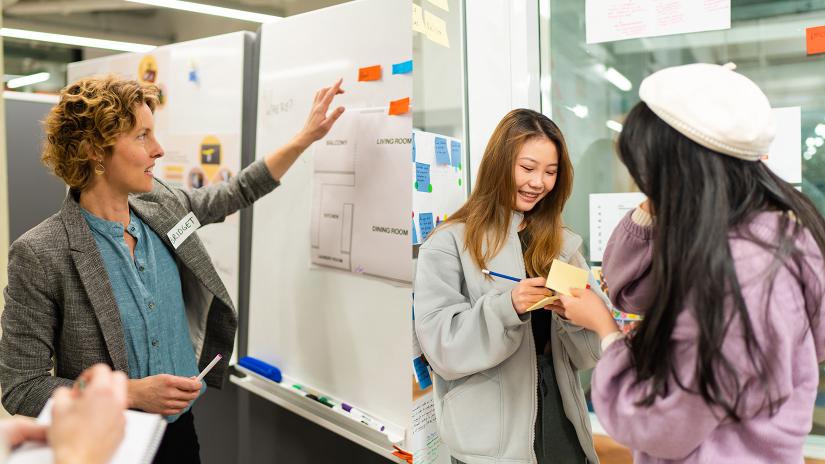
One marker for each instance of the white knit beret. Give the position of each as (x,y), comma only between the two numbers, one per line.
(714,106)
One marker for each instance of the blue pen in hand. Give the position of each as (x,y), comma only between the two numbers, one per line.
(503,276)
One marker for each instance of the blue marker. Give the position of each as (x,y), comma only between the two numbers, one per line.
(261,368)
(503,276)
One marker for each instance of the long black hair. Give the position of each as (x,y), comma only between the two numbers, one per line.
(700,200)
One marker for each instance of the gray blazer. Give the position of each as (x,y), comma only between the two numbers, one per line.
(61,313)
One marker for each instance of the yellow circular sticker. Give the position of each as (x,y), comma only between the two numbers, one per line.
(148,70)
(148,74)
(210,154)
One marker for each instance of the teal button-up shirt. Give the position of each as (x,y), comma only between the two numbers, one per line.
(149,296)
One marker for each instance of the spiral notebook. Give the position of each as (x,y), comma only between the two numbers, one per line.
(141,439)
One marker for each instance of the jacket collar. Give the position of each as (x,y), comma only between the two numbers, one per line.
(95,280)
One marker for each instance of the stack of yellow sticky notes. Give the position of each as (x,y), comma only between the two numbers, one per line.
(561,279)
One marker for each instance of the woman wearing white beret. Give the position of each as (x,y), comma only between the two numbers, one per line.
(725,260)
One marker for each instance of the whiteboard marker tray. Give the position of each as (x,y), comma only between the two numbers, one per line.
(282,395)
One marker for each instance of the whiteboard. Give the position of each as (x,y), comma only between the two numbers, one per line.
(606,211)
(198,123)
(439,181)
(343,334)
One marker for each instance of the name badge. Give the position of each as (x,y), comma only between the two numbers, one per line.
(183,229)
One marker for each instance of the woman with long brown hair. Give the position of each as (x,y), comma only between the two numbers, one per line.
(506,381)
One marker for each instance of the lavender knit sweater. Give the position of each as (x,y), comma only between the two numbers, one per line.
(680,427)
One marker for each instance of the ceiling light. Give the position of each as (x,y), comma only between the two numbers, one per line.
(614,77)
(820,130)
(75,40)
(210,10)
(613,125)
(28,80)
(579,110)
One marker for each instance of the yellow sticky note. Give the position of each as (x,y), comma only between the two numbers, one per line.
(418,19)
(443,4)
(543,302)
(563,277)
(436,29)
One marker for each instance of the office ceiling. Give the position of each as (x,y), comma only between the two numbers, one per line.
(117,20)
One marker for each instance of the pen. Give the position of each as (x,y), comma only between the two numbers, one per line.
(323,400)
(300,387)
(503,276)
(316,399)
(208,368)
(363,418)
(297,389)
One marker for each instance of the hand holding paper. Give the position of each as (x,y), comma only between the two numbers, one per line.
(87,426)
(586,309)
(526,292)
(560,280)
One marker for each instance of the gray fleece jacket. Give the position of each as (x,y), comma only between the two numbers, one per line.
(482,352)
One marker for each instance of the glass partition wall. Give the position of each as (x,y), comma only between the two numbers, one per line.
(587,90)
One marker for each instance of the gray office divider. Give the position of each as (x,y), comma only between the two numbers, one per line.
(34,193)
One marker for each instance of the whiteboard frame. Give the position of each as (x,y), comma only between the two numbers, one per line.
(313,411)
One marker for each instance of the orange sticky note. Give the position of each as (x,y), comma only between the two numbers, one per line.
(815,39)
(400,106)
(370,73)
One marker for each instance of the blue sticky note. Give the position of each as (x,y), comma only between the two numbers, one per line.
(415,235)
(422,373)
(425,223)
(455,153)
(422,177)
(413,146)
(441,154)
(402,68)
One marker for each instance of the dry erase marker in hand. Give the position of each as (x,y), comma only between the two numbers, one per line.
(208,368)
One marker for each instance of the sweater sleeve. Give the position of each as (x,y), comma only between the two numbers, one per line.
(780,334)
(457,337)
(627,261)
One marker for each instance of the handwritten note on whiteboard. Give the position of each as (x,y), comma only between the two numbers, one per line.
(606,210)
(610,20)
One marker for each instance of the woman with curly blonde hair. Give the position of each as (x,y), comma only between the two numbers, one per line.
(105,280)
